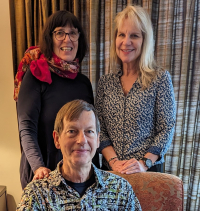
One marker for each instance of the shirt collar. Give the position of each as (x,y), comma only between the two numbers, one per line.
(99,177)
(119,72)
(56,177)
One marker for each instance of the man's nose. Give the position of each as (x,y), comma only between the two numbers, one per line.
(81,139)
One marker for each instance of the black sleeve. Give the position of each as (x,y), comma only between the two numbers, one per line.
(90,90)
(28,109)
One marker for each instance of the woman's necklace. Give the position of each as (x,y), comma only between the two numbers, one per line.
(126,91)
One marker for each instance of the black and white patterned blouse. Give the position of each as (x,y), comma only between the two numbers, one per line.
(141,122)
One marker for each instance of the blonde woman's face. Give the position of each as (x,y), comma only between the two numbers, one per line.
(129,42)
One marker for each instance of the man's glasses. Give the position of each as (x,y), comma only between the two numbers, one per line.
(61,35)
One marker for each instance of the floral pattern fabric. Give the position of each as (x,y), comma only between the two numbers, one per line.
(156,191)
(110,192)
(40,67)
(141,122)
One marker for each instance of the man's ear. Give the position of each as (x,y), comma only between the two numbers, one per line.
(98,142)
(56,139)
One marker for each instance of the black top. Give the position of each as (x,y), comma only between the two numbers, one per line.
(38,104)
(82,187)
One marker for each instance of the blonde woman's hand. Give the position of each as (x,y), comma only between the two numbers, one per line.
(133,166)
(117,165)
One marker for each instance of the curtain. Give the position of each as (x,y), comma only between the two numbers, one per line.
(176,26)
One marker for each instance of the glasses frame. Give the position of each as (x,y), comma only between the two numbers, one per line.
(65,35)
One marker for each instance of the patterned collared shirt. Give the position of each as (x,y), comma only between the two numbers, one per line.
(109,192)
(140,122)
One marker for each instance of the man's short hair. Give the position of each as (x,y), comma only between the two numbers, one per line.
(71,111)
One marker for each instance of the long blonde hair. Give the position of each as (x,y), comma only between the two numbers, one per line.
(147,66)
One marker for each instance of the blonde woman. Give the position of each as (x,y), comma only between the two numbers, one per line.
(135,103)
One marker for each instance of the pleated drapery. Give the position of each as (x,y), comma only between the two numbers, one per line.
(176,26)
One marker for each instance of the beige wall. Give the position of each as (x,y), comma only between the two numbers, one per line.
(9,141)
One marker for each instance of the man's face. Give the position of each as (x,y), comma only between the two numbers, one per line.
(79,140)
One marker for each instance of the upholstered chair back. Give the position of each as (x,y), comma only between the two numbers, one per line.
(156,191)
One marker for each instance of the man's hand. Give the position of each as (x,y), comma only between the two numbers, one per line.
(41,172)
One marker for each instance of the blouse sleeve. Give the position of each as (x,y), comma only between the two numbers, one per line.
(104,137)
(165,111)
(28,109)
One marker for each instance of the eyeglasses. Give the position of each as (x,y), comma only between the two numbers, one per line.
(61,35)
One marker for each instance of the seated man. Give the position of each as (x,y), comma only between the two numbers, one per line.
(77,184)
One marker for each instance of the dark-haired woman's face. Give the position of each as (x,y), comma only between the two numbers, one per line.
(65,46)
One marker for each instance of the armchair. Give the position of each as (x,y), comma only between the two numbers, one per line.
(156,191)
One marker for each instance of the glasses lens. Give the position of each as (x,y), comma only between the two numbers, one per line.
(73,36)
(60,35)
